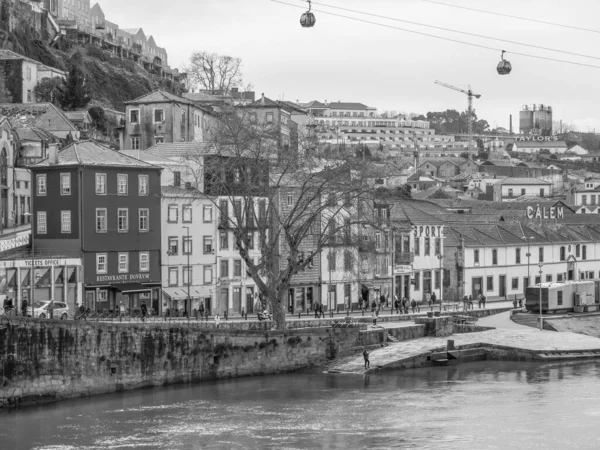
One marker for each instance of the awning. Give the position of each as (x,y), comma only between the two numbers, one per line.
(131,288)
(181,293)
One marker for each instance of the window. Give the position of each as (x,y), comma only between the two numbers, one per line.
(494,257)
(522,191)
(417,281)
(122,220)
(207,214)
(427,246)
(347,260)
(143,184)
(41,222)
(559,277)
(542,192)
(187,245)
(578,250)
(186,215)
(250,241)
(123,262)
(65,184)
(173,245)
(290,200)
(476,256)
(173,276)
(207,244)
(159,116)
(490,284)
(437,279)
(223,240)
(237,267)
(42,187)
(172,214)
(135,142)
(537,279)
(101,263)
(224,268)
(122,184)
(584,252)
(559,298)
(176,178)
(510,192)
(100,220)
(331,257)
(541,254)
(563,253)
(144,216)
(144,262)
(438,246)
(269,117)
(65,221)
(208,274)
(584,199)
(159,139)
(100,184)
(518,256)
(549,278)
(417,246)
(515,284)
(134,116)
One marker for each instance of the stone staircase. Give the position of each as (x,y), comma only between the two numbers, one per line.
(391,338)
(527,319)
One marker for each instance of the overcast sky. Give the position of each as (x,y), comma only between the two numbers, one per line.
(341,59)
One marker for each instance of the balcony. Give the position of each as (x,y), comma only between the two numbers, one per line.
(404,258)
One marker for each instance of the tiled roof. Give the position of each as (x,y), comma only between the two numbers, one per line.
(90,153)
(497,163)
(181,149)
(77,116)
(159,96)
(523,181)
(347,105)
(264,101)
(543,144)
(34,134)
(315,104)
(176,191)
(41,115)
(131,30)
(9,54)
(149,157)
(417,212)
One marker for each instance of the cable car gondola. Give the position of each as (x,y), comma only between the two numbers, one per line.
(504,66)
(307,20)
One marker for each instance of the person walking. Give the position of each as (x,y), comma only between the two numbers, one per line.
(479,297)
(217,320)
(433,298)
(316,308)
(201,310)
(397,304)
(24,306)
(366,356)
(144,310)
(413,305)
(470,301)
(382,301)
(51,309)
(374,316)
(483,300)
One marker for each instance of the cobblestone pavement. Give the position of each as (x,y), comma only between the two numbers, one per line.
(527,339)
(501,320)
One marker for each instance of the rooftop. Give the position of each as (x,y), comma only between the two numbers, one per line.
(181,149)
(523,181)
(88,153)
(542,144)
(41,115)
(159,96)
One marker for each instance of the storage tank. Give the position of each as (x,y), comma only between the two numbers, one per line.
(526,120)
(542,119)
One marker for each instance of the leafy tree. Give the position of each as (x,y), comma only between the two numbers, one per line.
(99,119)
(49,90)
(75,94)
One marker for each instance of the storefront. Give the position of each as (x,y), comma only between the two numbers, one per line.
(236,296)
(301,299)
(54,279)
(175,298)
(402,274)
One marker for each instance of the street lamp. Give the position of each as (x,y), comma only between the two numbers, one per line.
(528,240)
(188,269)
(440,257)
(32,276)
(541,317)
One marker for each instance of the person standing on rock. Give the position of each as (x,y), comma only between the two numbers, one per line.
(366,356)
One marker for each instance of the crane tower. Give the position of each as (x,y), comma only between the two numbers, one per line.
(470,94)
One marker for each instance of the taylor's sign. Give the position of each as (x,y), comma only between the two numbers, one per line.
(123,278)
(428,230)
(537,139)
(546,212)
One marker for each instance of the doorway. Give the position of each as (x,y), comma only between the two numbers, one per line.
(90,300)
(477,287)
(237,300)
(502,286)
(249,299)
(223,300)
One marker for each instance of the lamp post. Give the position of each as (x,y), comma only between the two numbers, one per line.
(440,257)
(32,275)
(188,269)
(528,240)
(541,317)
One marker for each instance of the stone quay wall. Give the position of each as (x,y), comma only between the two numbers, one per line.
(49,360)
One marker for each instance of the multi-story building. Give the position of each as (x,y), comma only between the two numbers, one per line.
(162,117)
(45,116)
(510,188)
(104,206)
(586,195)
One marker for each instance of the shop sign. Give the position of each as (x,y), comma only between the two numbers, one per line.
(401,268)
(228,281)
(123,278)
(40,263)
(537,138)
(19,240)
(428,230)
(552,212)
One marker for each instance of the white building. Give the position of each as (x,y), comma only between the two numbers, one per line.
(586,194)
(553,147)
(510,188)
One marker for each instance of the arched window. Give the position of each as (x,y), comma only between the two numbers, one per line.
(3,168)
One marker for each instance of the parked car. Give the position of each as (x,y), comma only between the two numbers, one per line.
(61,310)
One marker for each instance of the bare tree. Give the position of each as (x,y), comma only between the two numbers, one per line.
(296,204)
(214,72)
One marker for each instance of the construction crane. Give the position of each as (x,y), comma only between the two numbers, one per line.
(470,95)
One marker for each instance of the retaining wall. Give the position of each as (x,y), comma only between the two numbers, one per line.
(47,360)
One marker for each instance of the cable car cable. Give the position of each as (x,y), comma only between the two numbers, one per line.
(515,17)
(539,47)
(444,38)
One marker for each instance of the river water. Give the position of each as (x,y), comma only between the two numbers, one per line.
(494,405)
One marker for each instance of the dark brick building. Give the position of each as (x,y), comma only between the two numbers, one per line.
(93,200)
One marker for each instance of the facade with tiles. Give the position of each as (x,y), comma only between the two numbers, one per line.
(92,201)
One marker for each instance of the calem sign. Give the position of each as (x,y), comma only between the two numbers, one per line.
(546,212)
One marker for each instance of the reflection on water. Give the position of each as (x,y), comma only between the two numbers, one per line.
(470,406)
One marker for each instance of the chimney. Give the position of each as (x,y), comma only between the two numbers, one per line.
(53,153)
(510,126)
(262,100)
